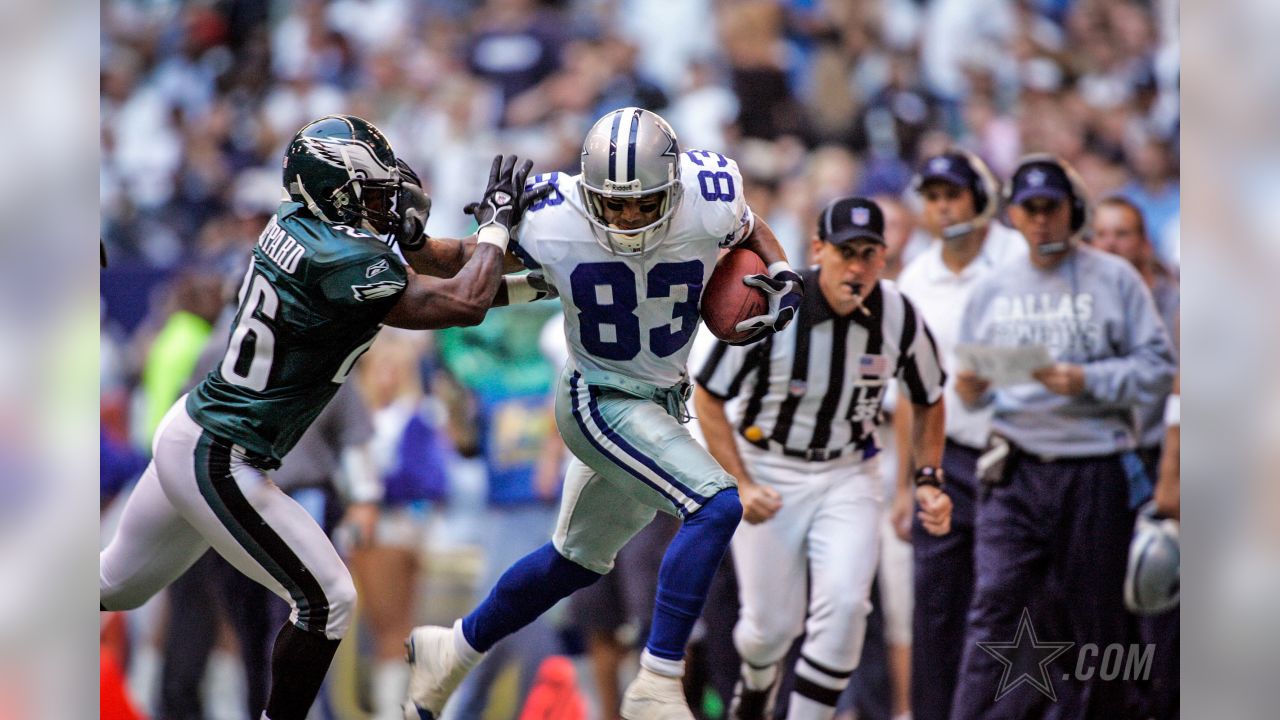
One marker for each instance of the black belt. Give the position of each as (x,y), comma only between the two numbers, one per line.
(813,454)
(963,446)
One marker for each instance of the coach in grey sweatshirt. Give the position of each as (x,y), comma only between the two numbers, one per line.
(1053,526)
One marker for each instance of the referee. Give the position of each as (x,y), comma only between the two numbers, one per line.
(800,410)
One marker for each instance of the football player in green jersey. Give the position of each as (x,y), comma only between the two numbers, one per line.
(324,277)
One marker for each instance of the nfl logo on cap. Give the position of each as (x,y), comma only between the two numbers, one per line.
(1036,178)
(939,165)
(861,216)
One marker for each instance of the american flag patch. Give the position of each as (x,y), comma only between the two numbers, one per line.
(877,365)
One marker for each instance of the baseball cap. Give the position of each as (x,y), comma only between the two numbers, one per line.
(851,218)
(949,167)
(1040,179)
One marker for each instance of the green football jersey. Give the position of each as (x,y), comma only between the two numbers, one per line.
(310,305)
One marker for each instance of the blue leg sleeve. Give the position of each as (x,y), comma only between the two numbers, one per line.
(688,566)
(526,590)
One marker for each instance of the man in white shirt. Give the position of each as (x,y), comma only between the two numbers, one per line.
(960,197)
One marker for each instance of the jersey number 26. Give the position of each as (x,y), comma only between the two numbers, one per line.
(251,351)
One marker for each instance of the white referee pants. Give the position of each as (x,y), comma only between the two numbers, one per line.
(198,492)
(822,544)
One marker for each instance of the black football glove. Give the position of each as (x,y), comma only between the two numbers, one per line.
(414,206)
(785,291)
(538,281)
(505,199)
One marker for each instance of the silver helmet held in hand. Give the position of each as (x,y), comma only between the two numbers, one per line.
(1152,579)
(630,153)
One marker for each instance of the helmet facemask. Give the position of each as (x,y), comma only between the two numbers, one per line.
(600,205)
(374,207)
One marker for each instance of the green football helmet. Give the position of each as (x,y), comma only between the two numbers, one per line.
(344,170)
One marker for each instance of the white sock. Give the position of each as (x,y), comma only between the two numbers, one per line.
(759,678)
(469,656)
(661,666)
(390,686)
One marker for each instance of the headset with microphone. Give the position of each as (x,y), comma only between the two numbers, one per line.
(1077,197)
(984,186)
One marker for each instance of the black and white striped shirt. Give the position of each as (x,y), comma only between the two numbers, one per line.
(815,389)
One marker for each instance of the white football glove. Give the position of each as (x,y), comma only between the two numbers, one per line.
(785,291)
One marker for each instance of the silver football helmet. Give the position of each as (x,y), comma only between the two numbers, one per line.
(630,153)
(1151,582)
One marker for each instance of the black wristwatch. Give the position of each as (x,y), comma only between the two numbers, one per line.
(929,475)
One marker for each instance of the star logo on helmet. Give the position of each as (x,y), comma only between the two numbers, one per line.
(671,150)
(939,165)
(1036,178)
(861,216)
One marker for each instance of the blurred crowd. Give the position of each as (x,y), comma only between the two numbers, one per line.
(815,99)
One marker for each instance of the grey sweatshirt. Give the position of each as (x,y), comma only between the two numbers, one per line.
(1092,310)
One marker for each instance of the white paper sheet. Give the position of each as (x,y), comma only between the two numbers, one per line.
(1003,366)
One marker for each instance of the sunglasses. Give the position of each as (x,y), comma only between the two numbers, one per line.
(645,205)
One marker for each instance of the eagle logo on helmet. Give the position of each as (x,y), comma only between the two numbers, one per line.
(861,216)
(354,156)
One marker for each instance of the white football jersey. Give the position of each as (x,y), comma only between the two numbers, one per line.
(636,314)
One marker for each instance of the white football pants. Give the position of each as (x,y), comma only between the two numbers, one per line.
(824,544)
(200,492)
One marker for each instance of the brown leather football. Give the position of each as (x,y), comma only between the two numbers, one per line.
(726,301)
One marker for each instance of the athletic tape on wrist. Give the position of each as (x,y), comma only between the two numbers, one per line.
(1173,410)
(519,290)
(494,235)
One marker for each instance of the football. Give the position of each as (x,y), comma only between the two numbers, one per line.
(726,301)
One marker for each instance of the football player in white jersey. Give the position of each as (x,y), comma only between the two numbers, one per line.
(628,245)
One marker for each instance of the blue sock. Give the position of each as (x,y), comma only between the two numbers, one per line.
(526,590)
(688,566)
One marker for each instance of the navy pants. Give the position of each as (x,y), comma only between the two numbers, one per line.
(943,588)
(1053,539)
(1158,694)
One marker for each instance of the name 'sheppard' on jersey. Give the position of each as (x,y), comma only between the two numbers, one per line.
(282,249)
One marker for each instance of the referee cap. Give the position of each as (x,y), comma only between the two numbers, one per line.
(851,218)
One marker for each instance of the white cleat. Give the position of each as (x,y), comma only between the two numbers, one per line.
(655,697)
(434,671)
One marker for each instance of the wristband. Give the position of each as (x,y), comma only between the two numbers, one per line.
(520,290)
(1173,410)
(929,475)
(494,235)
(778,267)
